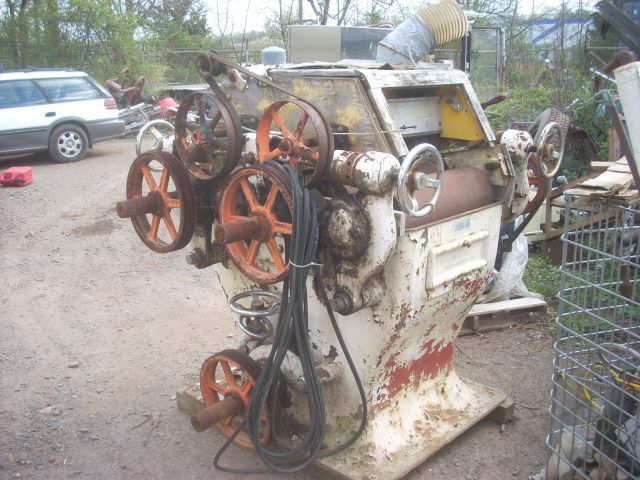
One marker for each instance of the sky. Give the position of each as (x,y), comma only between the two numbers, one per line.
(232,15)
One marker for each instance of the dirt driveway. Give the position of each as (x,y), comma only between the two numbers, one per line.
(97,333)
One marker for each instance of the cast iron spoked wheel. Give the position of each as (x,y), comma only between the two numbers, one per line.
(161,204)
(308,148)
(255,222)
(232,372)
(209,145)
(155,136)
(550,150)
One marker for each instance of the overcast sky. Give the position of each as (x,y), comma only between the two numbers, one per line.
(232,15)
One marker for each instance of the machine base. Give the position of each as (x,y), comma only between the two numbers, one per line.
(353,465)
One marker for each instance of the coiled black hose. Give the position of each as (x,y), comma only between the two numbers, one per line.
(292,333)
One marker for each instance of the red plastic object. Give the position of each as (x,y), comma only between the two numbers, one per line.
(168,102)
(167,109)
(16,177)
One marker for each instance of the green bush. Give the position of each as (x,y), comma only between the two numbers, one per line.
(542,277)
(521,105)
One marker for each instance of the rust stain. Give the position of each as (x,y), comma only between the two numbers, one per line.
(435,359)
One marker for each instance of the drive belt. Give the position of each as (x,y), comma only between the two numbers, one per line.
(210,64)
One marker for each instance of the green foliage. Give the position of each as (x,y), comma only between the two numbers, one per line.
(521,105)
(541,276)
(103,36)
(587,114)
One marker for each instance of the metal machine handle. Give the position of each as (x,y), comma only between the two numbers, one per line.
(409,179)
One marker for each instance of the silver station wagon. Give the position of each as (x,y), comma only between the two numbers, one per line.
(62,112)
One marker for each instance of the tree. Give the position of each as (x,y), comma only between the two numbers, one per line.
(282,16)
(15,27)
(323,11)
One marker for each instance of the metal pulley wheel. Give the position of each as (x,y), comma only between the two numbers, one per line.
(255,222)
(208,66)
(550,150)
(253,319)
(308,147)
(411,178)
(229,376)
(160,202)
(208,138)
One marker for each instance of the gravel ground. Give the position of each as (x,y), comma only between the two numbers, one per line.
(97,333)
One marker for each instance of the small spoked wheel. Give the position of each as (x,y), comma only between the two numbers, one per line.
(262,303)
(155,136)
(252,318)
(412,178)
(233,373)
(550,150)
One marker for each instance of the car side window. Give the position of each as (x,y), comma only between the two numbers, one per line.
(20,93)
(68,89)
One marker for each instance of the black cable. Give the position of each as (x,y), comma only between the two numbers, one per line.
(292,330)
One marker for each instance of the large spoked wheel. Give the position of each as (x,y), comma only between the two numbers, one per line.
(550,150)
(208,140)
(411,178)
(232,372)
(308,148)
(255,222)
(155,136)
(68,143)
(161,204)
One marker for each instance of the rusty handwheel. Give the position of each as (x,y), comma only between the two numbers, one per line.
(226,383)
(255,222)
(161,202)
(208,139)
(308,148)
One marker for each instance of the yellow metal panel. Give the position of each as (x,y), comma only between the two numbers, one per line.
(460,125)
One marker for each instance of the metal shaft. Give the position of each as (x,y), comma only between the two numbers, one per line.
(228,407)
(139,206)
(241,229)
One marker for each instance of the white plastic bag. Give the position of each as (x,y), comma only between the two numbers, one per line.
(508,281)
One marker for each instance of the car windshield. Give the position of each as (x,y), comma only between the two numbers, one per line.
(68,89)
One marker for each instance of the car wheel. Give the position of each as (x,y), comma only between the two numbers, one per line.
(68,143)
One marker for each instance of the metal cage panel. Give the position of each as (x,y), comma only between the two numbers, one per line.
(594,410)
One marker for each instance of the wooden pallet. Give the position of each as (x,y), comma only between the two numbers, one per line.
(486,317)
(189,401)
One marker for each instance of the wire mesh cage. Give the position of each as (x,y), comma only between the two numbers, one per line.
(595,419)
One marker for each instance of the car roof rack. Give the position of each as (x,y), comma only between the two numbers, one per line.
(34,69)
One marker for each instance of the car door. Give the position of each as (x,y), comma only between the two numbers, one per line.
(73,99)
(24,117)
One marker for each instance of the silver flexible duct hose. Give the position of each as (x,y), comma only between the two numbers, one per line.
(421,33)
